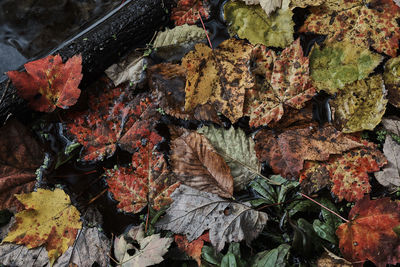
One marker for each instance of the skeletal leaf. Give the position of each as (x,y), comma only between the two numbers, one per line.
(253,24)
(194,212)
(336,65)
(390,176)
(360,105)
(238,152)
(130,69)
(189,11)
(391,77)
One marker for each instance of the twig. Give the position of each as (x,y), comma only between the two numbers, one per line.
(204,27)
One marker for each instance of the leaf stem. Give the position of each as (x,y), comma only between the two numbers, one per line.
(204,27)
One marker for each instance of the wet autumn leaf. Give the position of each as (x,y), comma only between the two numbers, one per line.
(48,219)
(189,11)
(390,176)
(238,151)
(130,69)
(374,25)
(192,212)
(360,105)
(150,251)
(48,83)
(348,173)
(286,152)
(218,77)
(196,163)
(20,156)
(391,77)
(336,65)
(253,24)
(268,6)
(179,35)
(192,249)
(369,234)
(328,259)
(147,182)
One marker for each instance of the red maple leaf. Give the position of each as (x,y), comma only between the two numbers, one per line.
(48,83)
(189,11)
(369,234)
(192,249)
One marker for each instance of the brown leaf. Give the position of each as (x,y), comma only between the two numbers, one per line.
(390,176)
(196,163)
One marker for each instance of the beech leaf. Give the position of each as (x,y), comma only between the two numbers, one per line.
(48,83)
(390,176)
(192,249)
(194,212)
(369,234)
(392,80)
(189,11)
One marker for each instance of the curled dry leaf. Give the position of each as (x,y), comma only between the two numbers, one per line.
(196,163)
(48,219)
(369,234)
(20,156)
(192,249)
(194,212)
(189,11)
(48,83)
(392,80)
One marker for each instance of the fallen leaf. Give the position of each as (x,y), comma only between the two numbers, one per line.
(179,35)
(269,6)
(336,65)
(369,234)
(327,225)
(48,219)
(274,257)
(192,212)
(287,83)
(196,163)
(391,77)
(238,151)
(192,249)
(150,251)
(20,156)
(305,3)
(392,125)
(218,77)
(147,182)
(360,105)
(48,83)
(390,176)
(358,24)
(331,260)
(287,151)
(189,11)
(253,24)
(130,69)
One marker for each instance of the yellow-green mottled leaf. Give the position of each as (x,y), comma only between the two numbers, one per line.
(360,105)
(179,35)
(253,24)
(336,65)
(392,81)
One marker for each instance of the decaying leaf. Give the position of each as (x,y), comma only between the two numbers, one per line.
(360,105)
(390,176)
(238,151)
(130,69)
(369,234)
(253,24)
(192,249)
(219,77)
(305,3)
(374,25)
(48,83)
(189,11)
(287,82)
(286,152)
(269,6)
(391,77)
(48,219)
(147,182)
(194,212)
(179,35)
(196,163)
(392,125)
(336,65)
(150,251)
(331,260)
(20,156)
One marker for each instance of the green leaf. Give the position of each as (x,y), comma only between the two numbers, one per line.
(210,255)
(336,65)
(272,258)
(305,241)
(179,35)
(302,206)
(238,151)
(228,260)
(326,229)
(253,24)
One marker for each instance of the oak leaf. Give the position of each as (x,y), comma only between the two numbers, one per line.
(391,77)
(369,234)
(20,156)
(192,212)
(287,82)
(192,249)
(48,219)
(48,83)
(196,163)
(189,11)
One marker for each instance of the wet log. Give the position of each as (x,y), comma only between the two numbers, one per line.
(129,26)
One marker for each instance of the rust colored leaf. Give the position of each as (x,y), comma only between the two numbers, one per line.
(286,152)
(192,249)
(189,11)
(20,156)
(147,182)
(369,234)
(196,163)
(287,82)
(48,83)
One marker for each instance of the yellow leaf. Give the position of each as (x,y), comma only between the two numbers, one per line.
(48,219)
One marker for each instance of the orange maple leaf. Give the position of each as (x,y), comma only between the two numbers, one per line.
(192,249)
